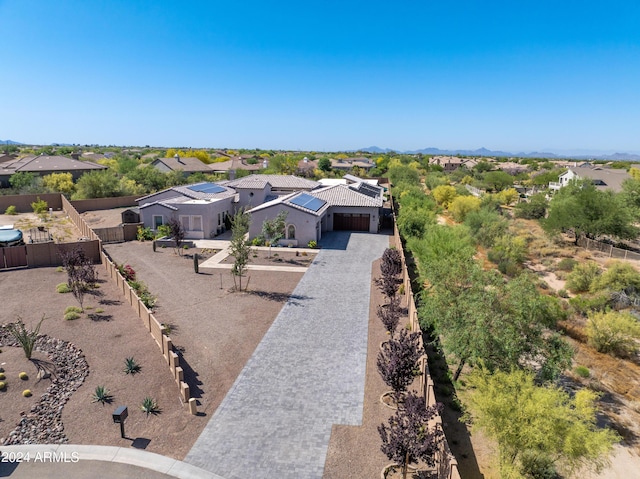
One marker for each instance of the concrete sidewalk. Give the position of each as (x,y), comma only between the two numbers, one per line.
(307,373)
(67,461)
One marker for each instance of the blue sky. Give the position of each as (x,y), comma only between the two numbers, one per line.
(323,75)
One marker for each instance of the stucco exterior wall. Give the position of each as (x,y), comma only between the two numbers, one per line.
(249,198)
(307,225)
(374,216)
(209,212)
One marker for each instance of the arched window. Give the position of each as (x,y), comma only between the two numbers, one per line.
(291,232)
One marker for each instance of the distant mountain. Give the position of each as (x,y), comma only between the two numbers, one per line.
(491,153)
(10,142)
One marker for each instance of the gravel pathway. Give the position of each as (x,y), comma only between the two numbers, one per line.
(307,373)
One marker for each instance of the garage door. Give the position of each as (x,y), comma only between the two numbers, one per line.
(350,222)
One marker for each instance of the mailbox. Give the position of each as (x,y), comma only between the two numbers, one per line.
(120,414)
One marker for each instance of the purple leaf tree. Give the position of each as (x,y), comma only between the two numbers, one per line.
(407,437)
(398,361)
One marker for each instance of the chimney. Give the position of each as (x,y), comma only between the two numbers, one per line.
(177,157)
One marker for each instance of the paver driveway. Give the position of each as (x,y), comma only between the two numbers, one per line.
(307,373)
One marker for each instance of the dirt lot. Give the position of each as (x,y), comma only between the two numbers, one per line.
(104,218)
(57,225)
(106,340)
(215,329)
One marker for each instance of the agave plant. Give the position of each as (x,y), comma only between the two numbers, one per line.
(149,406)
(101,395)
(130,366)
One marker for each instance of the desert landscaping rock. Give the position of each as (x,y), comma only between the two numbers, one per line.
(43,424)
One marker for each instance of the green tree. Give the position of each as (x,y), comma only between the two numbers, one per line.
(535,208)
(59,182)
(273,229)
(583,210)
(324,164)
(537,428)
(21,180)
(497,180)
(444,194)
(240,247)
(97,184)
(149,177)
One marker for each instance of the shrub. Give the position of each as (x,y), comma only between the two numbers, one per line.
(563,293)
(257,241)
(583,274)
(59,269)
(26,337)
(582,371)
(163,231)
(461,206)
(584,304)
(566,264)
(39,206)
(127,272)
(63,288)
(149,406)
(71,316)
(131,366)
(72,309)
(618,277)
(613,332)
(101,395)
(24,376)
(3,385)
(144,234)
(11,210)
(312,244)
(26,393)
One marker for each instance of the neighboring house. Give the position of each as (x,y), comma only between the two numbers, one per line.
(602,178)
(306,167)
(45,165)
(187,165)
(512,168)
(448,163)
(349,163)
(201,208)
(236,163)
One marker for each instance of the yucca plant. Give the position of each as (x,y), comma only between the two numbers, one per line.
(26,337)
(101,395)
(130,366)
(149,406)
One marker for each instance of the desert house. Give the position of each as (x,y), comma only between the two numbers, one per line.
(311,208)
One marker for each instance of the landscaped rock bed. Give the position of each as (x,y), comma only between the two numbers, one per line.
(68,370)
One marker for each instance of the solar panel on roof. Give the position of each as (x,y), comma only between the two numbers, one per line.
(206,188)
(309,202)
(369,190)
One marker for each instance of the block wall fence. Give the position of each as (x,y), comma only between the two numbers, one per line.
(446,463)
(149,321)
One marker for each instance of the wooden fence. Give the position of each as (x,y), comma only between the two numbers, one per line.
(446,463)
(34,255)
